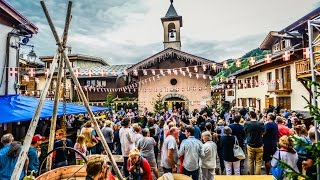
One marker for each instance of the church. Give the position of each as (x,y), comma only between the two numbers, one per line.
(177,78)
(182,79)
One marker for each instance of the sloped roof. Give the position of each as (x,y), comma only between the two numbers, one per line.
(6,7)
(108,70)
(171,12)
(302,23)
(170,52)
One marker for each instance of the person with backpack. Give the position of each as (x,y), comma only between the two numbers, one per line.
(302,135)
(286,154)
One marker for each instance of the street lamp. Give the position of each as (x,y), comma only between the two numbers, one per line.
(32,56)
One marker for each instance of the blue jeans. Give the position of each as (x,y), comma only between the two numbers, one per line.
(193,174)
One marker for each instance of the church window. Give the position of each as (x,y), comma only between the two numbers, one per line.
(173,81)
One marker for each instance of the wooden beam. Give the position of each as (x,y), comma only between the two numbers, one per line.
(33,125)
(54,114)
(81,93)
(57,91)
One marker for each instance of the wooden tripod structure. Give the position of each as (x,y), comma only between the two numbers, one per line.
(63,59)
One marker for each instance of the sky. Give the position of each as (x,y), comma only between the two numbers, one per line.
(128,31)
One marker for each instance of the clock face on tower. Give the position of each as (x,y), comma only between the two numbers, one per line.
(173,81)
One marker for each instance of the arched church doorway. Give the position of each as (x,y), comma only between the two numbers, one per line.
(175,102)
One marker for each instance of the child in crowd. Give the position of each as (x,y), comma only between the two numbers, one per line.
(82,148)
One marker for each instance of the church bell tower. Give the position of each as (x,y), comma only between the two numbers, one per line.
(171,26)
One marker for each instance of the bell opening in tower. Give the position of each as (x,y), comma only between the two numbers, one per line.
(172,32)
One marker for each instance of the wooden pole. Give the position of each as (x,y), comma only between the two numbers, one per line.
(57,92)
(82,95)
(54,114)
(33,125)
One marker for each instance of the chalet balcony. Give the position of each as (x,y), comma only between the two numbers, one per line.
(303,67)
(271,87)
(280,89)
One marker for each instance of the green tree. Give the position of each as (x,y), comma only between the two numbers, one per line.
(109,100)
(158,104)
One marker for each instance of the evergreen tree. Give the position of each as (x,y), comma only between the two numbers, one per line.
(158,104)
(109,100)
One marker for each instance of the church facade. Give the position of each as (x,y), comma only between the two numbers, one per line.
(179,79)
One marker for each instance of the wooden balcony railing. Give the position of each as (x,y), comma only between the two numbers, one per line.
(303,67)
(284,87)
(271,87)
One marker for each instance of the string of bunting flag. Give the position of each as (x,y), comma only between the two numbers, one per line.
(31,72)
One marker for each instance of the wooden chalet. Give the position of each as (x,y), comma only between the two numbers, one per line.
(282,79)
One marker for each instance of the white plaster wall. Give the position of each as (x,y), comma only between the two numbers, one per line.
(147,98)
(297,102)
(229,98)
(256,92)
(12,61)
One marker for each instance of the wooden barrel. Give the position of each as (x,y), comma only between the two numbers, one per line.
(178,177)
(78,171)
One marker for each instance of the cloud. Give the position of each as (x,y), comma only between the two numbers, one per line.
(127,31)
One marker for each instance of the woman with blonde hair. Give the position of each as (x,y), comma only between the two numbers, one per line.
(80,146)
(286,153)
(138,166)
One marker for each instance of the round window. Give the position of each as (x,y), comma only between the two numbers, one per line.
(173,82)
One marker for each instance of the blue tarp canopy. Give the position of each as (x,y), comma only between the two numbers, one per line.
(15,108)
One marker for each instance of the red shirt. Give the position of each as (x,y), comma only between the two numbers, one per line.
(146,169)
(283,130)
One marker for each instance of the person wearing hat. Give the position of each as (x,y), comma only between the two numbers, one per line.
(33,153)
(107,132)
(9,156)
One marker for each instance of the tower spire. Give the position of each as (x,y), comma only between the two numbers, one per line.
(171,1)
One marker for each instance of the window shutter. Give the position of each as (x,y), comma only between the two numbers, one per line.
(254,102)
(277,77)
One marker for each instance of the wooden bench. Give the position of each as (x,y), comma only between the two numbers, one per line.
(243,177)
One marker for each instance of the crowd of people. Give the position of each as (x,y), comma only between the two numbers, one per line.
(199,144)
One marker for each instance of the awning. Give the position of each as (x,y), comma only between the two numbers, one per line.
(15,108)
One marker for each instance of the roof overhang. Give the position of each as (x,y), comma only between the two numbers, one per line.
(301,23)
(176,18)
(18,17)
(170,52)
